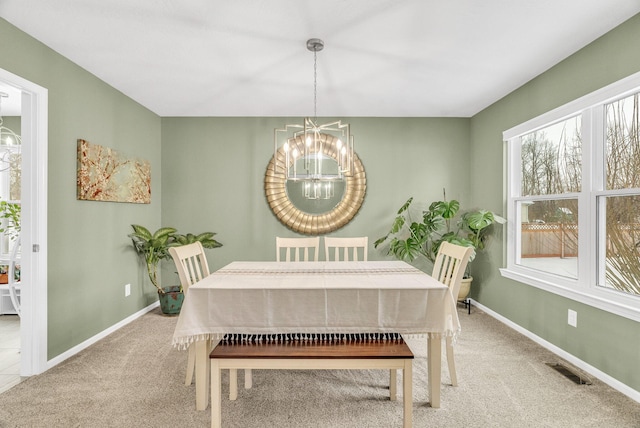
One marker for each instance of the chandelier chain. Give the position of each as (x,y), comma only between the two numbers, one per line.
(315,86)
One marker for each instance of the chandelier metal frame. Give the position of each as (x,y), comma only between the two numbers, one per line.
(10,142)
(310,139)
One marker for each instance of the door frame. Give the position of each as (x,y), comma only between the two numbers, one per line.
(34,130)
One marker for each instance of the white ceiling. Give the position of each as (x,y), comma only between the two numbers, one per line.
(382,58)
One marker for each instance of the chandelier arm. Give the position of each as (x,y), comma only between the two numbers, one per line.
(310,143)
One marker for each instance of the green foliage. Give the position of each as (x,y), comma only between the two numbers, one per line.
(154,247)
(11,212)
(206,239)
(408,239)
(477,223)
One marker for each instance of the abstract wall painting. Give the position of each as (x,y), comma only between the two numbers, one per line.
(105,174)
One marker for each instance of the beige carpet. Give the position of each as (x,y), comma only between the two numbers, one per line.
(134,378)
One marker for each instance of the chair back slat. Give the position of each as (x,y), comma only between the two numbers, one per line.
(191,263)
(294,248)
(450,265)
(346,249)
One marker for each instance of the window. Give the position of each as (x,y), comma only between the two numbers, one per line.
(620,239)
(574,200)
(551,164)
(10,179)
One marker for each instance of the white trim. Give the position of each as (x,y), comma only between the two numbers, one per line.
(33,322)
(592,297)
(84,345)
(587,286)
(612,382)
(616,90)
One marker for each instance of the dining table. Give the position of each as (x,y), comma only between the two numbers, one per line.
(318,298)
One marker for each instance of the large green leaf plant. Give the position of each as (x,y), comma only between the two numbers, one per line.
(154,247)
(11,213)
(409,238)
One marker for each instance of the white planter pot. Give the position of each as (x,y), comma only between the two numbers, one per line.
(465,287)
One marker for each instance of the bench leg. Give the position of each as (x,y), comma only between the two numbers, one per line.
(216,395)
(393,374)
(407,391)
(233,382)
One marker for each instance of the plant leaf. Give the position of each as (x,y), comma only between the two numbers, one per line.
(478,220)
(405,207)
(141,231)
(164,232)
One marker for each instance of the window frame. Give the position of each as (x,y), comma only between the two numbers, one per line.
(585,287)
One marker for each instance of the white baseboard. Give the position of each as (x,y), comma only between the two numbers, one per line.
(612,382)
(84,345)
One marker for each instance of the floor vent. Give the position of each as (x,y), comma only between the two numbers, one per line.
(570,374)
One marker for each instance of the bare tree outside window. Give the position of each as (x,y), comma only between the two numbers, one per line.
(573,199)
(622,258)
(551,167)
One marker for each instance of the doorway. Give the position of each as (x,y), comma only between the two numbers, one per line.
(33,293)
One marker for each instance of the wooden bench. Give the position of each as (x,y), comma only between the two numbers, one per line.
(312,355)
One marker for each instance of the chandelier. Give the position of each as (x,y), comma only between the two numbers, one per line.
(318,155)
(10,142)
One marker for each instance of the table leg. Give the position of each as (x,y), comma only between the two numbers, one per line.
(434,364)
(216,395)
(202,373)
(407,391)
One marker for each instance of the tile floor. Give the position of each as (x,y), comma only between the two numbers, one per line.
(9,351)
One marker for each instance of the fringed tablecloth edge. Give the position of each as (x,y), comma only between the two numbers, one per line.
(183,342)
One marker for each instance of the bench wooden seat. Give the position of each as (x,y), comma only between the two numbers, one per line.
(311,355)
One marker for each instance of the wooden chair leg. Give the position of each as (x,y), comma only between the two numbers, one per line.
(191,365)
(393,377)
(248,379)
(451,362)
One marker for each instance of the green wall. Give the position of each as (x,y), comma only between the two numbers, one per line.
(607,342)
(14,123)
(89,259)
(213,171)
(210,177)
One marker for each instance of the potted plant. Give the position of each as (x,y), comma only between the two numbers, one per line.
(11,212)
(10,226)
(411,238)
(154,247)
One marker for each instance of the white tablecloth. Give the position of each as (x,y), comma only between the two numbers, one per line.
(316,297)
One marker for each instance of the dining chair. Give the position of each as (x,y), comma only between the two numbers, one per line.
(449,268)
(346,249)
(191,264)
(294,248)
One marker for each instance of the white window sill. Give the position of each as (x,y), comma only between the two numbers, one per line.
(607,300)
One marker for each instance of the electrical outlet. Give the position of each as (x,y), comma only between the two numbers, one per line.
(127,290)
(573,318)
